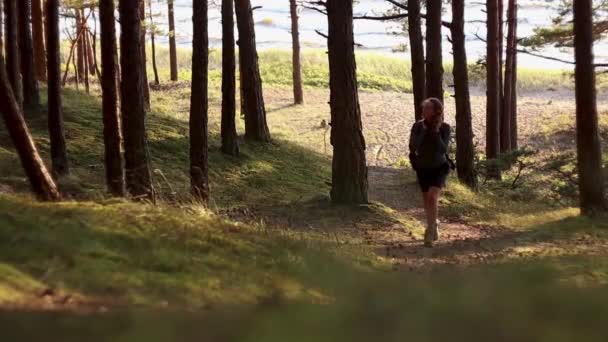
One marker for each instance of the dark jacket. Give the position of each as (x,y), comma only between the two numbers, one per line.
(428,147)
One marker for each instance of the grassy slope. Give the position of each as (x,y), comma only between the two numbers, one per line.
(122,253)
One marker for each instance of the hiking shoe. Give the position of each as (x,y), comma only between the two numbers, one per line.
(428,237)
(435,231)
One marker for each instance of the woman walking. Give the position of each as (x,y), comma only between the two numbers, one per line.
(429,142)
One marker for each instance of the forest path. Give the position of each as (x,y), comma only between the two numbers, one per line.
(460,243)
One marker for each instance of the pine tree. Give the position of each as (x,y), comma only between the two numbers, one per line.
(298,92)
(256,128)
(230,143)
(588,144)
(59,155)
(137,169)
(199,169)
(349,169)
(111,121)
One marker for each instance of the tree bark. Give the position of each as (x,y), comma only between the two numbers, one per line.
(12,49)
(298,92)
(349,169)
(172,44)
(588,145)
(510,81)
(59,155)
(153,42)
(87,66)
(29,79)
(465,149)
(493,89)
(434,56)
(417,56)
(230,143)
(513,88)
(111,121)
(40,180)
(137,169)
(80,44)
(256,128)
(88,46)
(199,169)
(2,29)
(38,38)
(144,59)
(505,132)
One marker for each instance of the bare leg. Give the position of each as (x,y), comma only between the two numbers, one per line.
(433,206)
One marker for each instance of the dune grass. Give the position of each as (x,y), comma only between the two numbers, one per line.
(374,71)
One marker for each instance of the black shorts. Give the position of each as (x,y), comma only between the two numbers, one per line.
(436,177)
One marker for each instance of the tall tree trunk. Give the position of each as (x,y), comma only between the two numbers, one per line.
(510,81)
(59,155)
(417,56)
(2,29)
(31,98)
(230,143)
(144,59)
(80,44)
(513,88)
(493,89)
(88,45)
(298,92)
(40,180)
(172,45)
(199,169)
(111,121)
(12,49)
(465,150)
(256,127)
(349,169)
(505,133)
(38,38)
(153,42)
(434,56)
(588,146)
(87,66)
(137,168)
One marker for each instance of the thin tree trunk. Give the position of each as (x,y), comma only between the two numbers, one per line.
(38,38)
(86,62)
(199,169)
(2,29)
(505,133)
(256,127)
(172,45)
(349,169)
(513,99)
(465,149)
(493,90)
(137,168)
(510,84)
(588,145)
(298,92)
(80,44)
(88,47)
(417,56)
(40,180)
(230,143)
(153,42)
(144,63)
(59,155)
(434,58)
(111,121)
(12,49)
(29,79)
(94,43)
